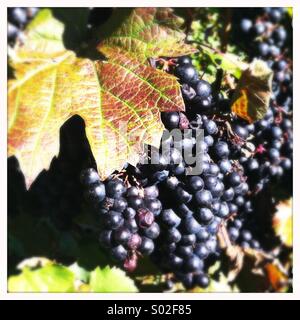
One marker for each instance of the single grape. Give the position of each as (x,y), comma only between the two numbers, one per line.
(204,197)
(89,177)
(170,120)
(173,235)
(194,263)
(170,218)
(122,235)
(115,188)
(201,251)
(184,252)
(113,220)
(119,253)
(221,149)
(147,246)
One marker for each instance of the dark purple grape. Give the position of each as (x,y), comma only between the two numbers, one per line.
(221,149)
(190,225)
(170,218)
(234,179)
(175,262)
(119,253)
(147,246)
(184,252)
(134,242)
(135,202)
(188,239)
(204,215)
(201,280)
(115,188)
(228,194)
(246,25)
(233,233)
(132,192)
(182,195)
(119,205)
(170,120)
(184,60)
(195,183)
(122,235)
(173,235)
(89,177)
(131,225)
(202,235)
(153,231)
(194,263)
(145,218)
(113,220)
(129,213)
(204,197)
(201,251)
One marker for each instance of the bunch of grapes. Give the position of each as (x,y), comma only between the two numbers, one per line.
(239,161)
(190,209)
(270,34)
(127,214)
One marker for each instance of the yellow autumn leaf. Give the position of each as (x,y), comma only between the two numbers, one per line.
(120,100)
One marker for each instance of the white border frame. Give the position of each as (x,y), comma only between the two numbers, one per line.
(3,153)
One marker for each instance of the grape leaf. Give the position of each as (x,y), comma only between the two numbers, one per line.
(79,272)
(43,275)
(111,280)
(120,100)
(252,95)
(149,32)
(50,278)
(227,61)
(283,222)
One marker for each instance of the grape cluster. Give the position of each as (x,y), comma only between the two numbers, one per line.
(265,30)
(270,164)
(127,214)
(197,93)
(273,134)
(191,208)
(18,18)
(197,205)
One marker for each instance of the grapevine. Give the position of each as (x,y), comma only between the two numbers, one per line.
(158,216)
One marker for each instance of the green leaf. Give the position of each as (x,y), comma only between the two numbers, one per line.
(227,61)
(282,222)
(290,11)
(51,278)
(80,273)
(111,280)
(45,34)
(148,33)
